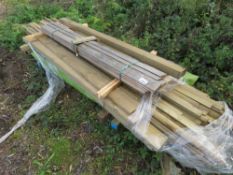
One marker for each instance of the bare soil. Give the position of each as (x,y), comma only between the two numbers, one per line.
(12,93)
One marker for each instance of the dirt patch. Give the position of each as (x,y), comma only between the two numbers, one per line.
(12,73)
(12,92)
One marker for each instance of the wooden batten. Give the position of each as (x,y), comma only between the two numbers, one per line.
(25,48)
(84,39)
(32,37)
(182,108)
(146,57)
(153,52)
(72,66)
(107,89)
(130,71)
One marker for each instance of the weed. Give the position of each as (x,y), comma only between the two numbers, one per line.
(44,168)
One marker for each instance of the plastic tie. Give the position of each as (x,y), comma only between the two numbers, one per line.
(125,67)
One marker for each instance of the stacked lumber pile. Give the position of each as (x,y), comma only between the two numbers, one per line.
(78,61)
(127,69)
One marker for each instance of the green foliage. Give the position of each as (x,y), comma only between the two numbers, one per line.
(197,34)
(44,168)
(61,150)
(10,34)
(194,33)
(23,12)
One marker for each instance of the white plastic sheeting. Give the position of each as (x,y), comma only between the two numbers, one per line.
(215,140)
(219,134)
(41,104)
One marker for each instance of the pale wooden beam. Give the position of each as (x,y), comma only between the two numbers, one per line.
(103,92)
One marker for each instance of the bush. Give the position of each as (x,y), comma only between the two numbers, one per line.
(194,33)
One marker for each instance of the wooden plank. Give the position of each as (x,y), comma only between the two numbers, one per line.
(108,103)
(170,125)
(153,137)
(129,103)
(35,26)
(172,97)
(142,81)
(188,107)
(155,142)
(85,25)
(199,141)
(109,51)
(30,30)
(201,98)
(84,39)
(127,58)
(210,111)
(156,61)
(32,37)
(25,48)
(194,96)
(103,92)
(58,62)
(198,105)
(153,52)
(80,65)
(176,114)
(118,104)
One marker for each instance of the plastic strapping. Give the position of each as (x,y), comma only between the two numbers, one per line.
(125,67)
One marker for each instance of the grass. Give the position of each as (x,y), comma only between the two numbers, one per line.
(68,138)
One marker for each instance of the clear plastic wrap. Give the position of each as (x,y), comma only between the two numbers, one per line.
(206,148)
(139,121)
(217,141)
(42,103)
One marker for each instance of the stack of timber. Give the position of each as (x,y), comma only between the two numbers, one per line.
(182,107)
(127,69)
